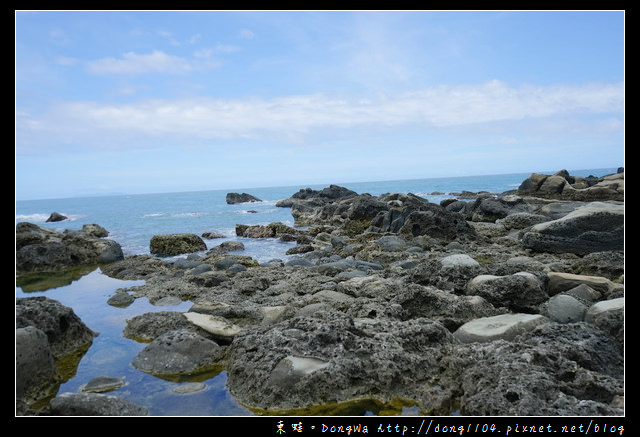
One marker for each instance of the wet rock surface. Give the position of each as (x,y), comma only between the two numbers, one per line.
(449,307)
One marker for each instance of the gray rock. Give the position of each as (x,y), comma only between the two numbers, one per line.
(457,261)
(121,300)
(176,244)
(40,249)
(299,262)
(552,370)
(65,332)
(521,220)
(56,217)
(391,243)
(560,281)
(219,327)
(608,315)
(234,198)
(595,227)
(148,326)
(179,352)
(36,374)
(501,327)
(102,384)
(520,292)
(563,308)
(94,404)
(328,357)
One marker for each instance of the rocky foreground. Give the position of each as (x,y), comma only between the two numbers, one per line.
(506,304)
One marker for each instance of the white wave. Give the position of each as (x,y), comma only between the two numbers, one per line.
(39,218)
(188,214)
(157,214)
(42,218)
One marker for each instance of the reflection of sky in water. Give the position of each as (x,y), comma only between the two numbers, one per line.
(111,354)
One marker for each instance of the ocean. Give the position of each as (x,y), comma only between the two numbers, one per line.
(132,220)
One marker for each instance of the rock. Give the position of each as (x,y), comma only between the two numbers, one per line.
(176,244)
(521,220)
(227,246)
(234,198)
(121,300)
(56,217)
(501,327)
(65,332)
(148,326)
(559,282)
(219,327)
(608,315)
(520,292)
(391,243)
(102,384)
(595,227)
(563,308)
(488,210)
(209,235)
(179,352)
(457,261)
(94,404)
(564,186)
(40,249)
(36,373)
(329,357)
(272,230)
(552,370)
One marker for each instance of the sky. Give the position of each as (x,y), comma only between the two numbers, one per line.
(167,101)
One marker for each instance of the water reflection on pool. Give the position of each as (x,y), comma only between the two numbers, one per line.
(111,354)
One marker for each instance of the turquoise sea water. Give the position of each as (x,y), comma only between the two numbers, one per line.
(133,219)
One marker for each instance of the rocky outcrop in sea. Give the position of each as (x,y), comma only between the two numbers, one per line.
(498,304)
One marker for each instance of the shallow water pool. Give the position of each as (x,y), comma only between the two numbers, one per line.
(111,353)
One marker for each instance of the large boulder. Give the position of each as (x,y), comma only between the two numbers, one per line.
(176,244)
(41,249)
(179,352)
(46,332)
(564,186)
(329,357)
(594,227)
(65,332)
(522,291)
(56,217)
(551,370)
(36,373)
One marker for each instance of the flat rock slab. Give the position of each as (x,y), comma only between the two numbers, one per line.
(219,327)
(101,384)
(94,404)
(501,327)
(559,282)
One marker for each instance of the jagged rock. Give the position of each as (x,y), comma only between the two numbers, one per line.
(56,217)
(176,244)
(40,249)
(595,227)
(179,352)
(234,198)
(94,404)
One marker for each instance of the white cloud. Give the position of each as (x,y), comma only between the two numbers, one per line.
(133,63)
(289,117)
(246,34)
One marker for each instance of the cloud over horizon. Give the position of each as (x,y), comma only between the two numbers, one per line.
(296,115)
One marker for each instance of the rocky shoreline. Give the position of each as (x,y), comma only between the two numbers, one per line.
(505,304)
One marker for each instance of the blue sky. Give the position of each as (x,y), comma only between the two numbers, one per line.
(153,101)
